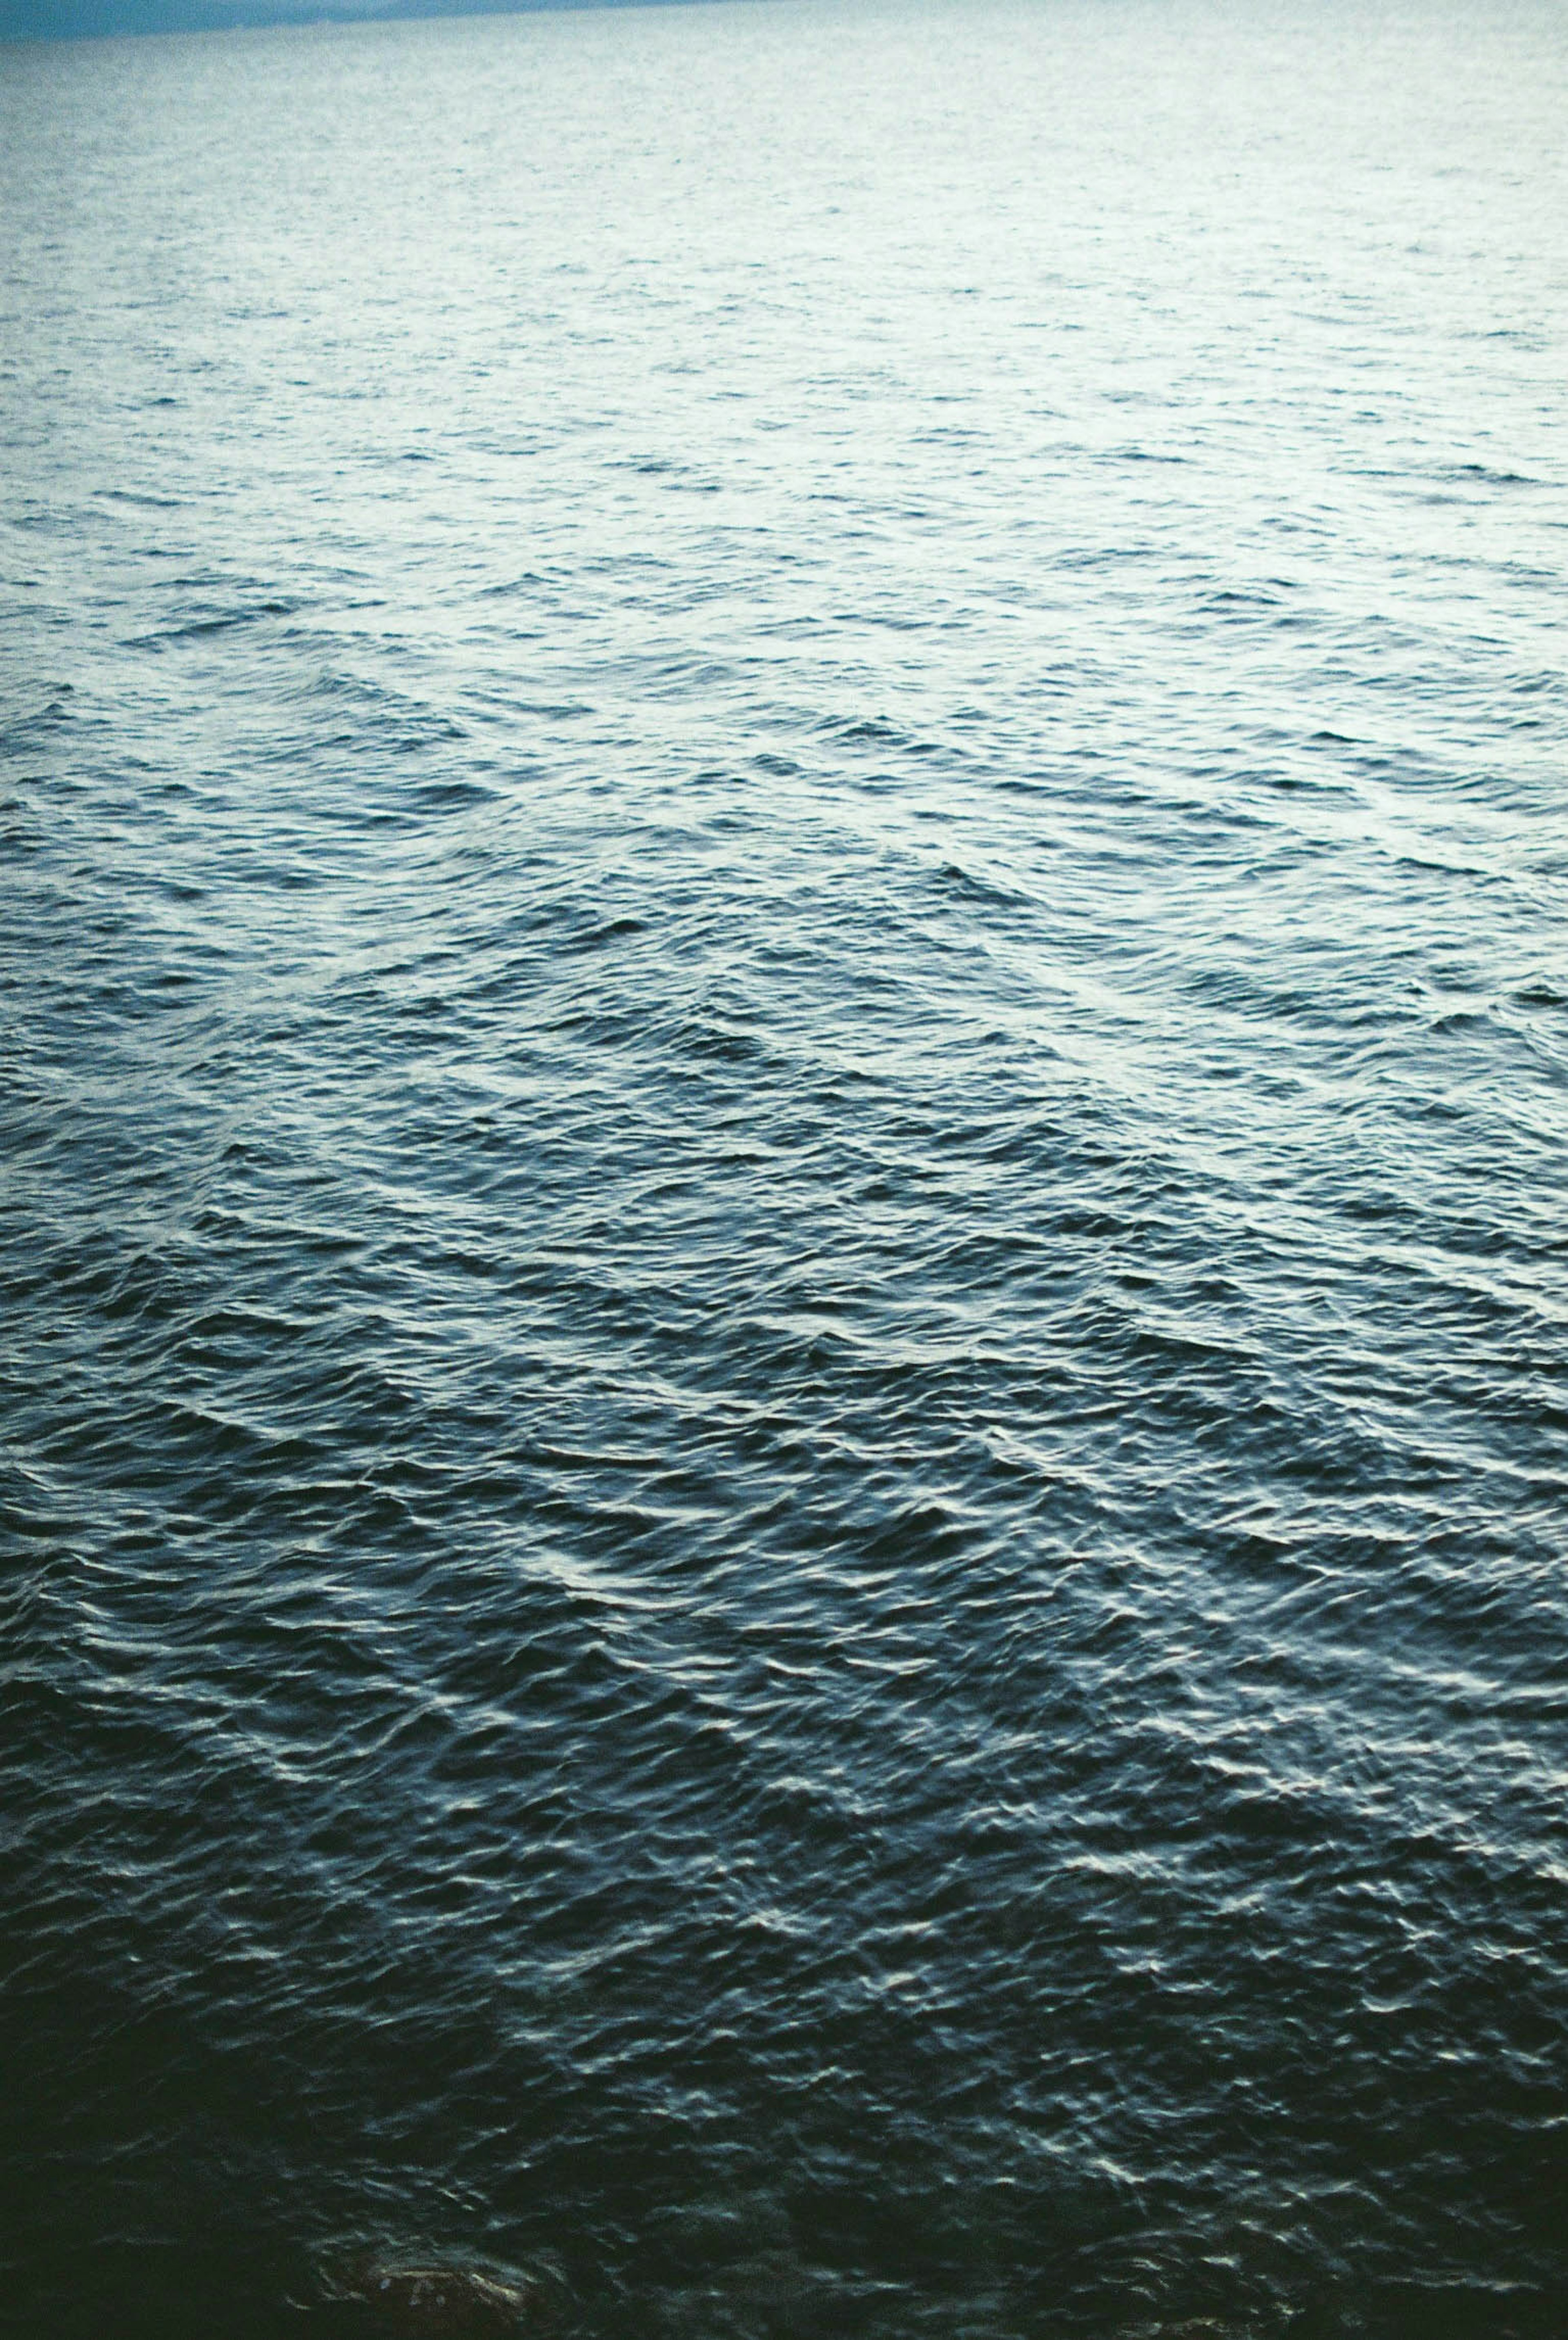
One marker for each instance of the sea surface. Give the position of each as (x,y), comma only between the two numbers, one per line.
(784,1174)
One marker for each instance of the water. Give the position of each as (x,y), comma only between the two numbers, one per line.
(786,1072)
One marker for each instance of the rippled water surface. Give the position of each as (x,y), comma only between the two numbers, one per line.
(785,1052)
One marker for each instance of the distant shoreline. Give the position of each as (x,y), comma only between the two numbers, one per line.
(89,20)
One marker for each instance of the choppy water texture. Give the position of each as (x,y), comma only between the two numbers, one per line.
(786,1069)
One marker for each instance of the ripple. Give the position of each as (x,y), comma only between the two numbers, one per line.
(782,1233)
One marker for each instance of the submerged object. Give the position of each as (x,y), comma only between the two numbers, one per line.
(445,2300)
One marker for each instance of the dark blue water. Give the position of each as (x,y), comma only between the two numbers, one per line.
(785,1052)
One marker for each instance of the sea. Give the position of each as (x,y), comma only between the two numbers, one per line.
(784,1175)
